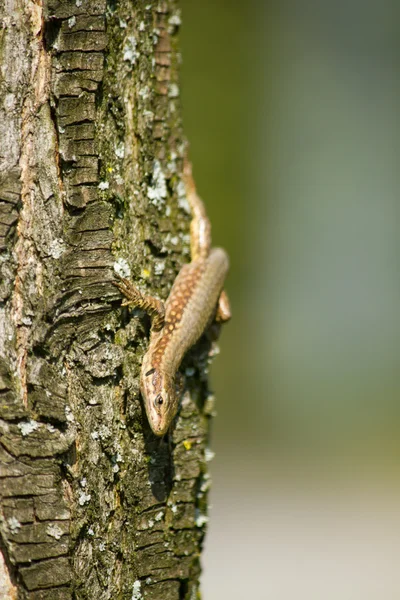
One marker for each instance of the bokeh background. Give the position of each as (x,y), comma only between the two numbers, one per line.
(292,110)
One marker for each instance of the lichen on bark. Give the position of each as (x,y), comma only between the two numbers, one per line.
(92,504)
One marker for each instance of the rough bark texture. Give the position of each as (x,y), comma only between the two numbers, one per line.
(92,505)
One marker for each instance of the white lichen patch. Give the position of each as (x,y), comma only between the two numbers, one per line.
(94,435)
(13,524)
(171,166)
(205,486)
(159,516)
(159,267)
(175,19)
(83,482)
(27,427)
(71,21)
(130,51)
(9,101)
(151,523)
(50,428)
(105,432)
(201,520)
(144,92)
(120,150)
(158,191)
(194,595)
(84,499)
(68,414)
(148,115)
(208,454)
(136,593)
(173,90)
(182,199)
(54,531)
(90,531)
(103,185)
(122,268)
(142,26)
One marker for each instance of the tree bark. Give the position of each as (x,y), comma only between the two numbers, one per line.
(92,504)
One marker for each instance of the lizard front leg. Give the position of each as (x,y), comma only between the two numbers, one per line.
(154,307)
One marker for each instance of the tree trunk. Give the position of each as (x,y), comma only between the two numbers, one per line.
(92,504)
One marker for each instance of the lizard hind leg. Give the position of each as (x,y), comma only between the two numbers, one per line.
(223,308)
(222,315)
(153,306)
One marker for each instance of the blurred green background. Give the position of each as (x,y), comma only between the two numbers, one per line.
(292,114)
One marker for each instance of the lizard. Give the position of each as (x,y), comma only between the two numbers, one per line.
(196,298)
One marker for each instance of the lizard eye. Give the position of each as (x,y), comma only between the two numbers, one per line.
(159,400)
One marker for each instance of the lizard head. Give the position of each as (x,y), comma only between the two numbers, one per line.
(160,398)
